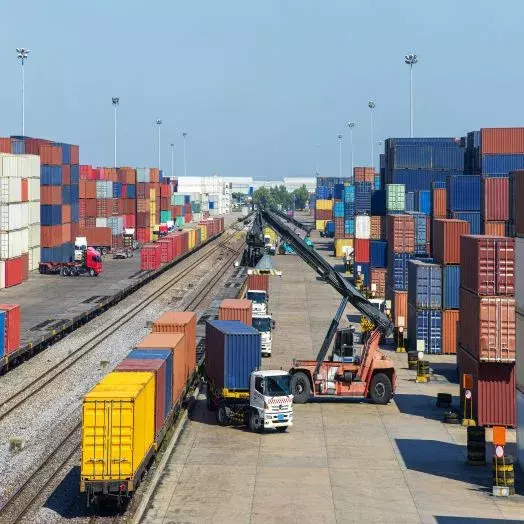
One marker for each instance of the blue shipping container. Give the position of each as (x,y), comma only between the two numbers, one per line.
(75,174)
(363,197)
(379,253)
(66,153)
(377,182)
(463,193)
(131,191)
(75,212)
(410,201)
(330,227)
(349,193)
(450,287)
(338,210)
(158,354)
(426,325)
(439,184)
(66,194)
(378,202)
(397,277)
(2,333)
(17,148)
(418,179)
(50,175)
(232,353)
(423,201)
(424,285)
(211,205)
(75,194)
(62,253)
(365,270)
(421,228)
(338,191)
(187,199)
(349,210)
(473,217)
(50,215)
(349,226)
(501,164)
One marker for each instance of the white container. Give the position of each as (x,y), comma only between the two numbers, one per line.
(10,165)
(10,190)
(14,216)
(142,174)
(24,240)
(30,166)
(363,226)
(11,244)
(33,235)
(101,222)
(104,189)
(33,190)
(34,258)
(34,212)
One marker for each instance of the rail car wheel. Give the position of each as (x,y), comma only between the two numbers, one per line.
(381,389)
(300,387)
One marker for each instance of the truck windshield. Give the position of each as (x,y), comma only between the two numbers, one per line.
(256,296)
(277,386)
(262,324)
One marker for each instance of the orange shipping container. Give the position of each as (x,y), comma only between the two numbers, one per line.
(5,145)
(378,277)
(50,195)
(400,309)
(154,175)
(401,233)
(66,213)
(66,233)
(176,343)
(502,140)
(497,229)
(450,318)
(378,228)
(51,236)
(438,203)
(66,175)
(446,239)
(236,309)
(25,189)
(258,282)
(87,189)
(180,322)
(50,155)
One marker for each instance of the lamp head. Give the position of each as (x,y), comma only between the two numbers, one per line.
(371,104)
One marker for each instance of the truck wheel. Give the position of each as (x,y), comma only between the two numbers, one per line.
(300,388)
(65,271)
(256,423)
(381,389)
(73,272)
(104,251)
(282,429)
(92,272)
(222,416)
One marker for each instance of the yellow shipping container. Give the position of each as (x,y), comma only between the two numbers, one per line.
(118,428)
(152,194)
(342,245)
(324,204)
(203,233)
(320,225)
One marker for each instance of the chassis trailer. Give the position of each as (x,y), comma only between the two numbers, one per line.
(89,263)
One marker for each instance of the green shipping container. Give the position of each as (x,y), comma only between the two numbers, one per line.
(395,197)
(179,221)
(177,199)
(165,216)
(196,207)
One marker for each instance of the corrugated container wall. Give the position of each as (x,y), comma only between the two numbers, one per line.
(236,309)
(495,199)
(446,240)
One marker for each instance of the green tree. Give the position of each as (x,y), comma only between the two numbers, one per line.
(262,195)
(301,197)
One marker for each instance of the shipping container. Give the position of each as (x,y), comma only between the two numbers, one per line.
(12,327)
(395,197)
(450,318)
(362,250)
(126,413)
(166,250)
(96,236)
(410,201)
(423,201)
(400,308)
(378,280)
(363,226)
(446,240)
(377,228)
(418,179)
(236,309)
(463,193)
(497,229)
(363,192)
(488,264)
(426,325)
(150,257)
(438,202)
(343,246)
(519,281)
(401,233)
(424,285)
(450,286)
(398,270)
(378,253)
(2,330)
(495,199)
(472,217)
(488,326)
(233,352)
(493,394)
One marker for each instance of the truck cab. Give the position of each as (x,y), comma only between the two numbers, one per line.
(259,299)
(264,324)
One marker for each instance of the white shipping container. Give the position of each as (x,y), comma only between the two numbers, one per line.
(34,212)
(34,258)
(10,190)
(142,174)
(10,165)
(11,244)
(2,274)
(14,216)
(34,235)
(101,222)
(30,166)
(24,240)
(33,190)
(362,226)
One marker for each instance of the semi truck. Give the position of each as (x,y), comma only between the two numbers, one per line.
(264,324)
(237,389)
(260,301)
(86,261)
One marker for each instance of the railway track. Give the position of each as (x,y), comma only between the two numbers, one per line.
(26,495)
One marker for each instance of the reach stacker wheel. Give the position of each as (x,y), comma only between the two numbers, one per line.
(300,388)
(381,389)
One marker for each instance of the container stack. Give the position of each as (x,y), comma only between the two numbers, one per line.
(495,206)
(487,329)
(463,197)
(19,180)
(127,180)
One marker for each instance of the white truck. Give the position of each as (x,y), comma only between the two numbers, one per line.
(264,324)
(259,298)
(267,405)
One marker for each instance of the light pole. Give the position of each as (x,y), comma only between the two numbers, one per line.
(371,105)
(317,147)
(115,101)
(158,123)
(22,55)
(410,59)
(184,135)
(340,156)
(351,125)
(172,160)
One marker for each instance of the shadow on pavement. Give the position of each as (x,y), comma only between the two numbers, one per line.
(445,369)
(421,405)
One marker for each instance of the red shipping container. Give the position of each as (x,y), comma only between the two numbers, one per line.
(188,218)
(487,264)
(502,140)
(438,203)
(25,266)
(12,327)
(66,233)
(75,228)
(378,228)
(102,208)
(450,318)
(142,206)
(166,252)
(488,327)
(32,147)
(25,189)
(165,203)
(236,309)
(74,154)
(86,172)
(129,206)
(50,195)
(494,390)
(165,191)
(126,175)
(143,235)
(446,239)
(150,257)
(51,236)
(142,219)
(323,214)
(129,221)
(179,211)
(362,248)
(13,274)
(154,175)
(66,213)
(364,174)
(258,283)
(87,189)
(117,241)
(5,145)
(495,229)
(378,278)
(158,367)
(97,236)
(66,175)
(400,309)
(142,191)
(339,227)
(184,242)
(495,198)
(87,207)
(118,206)
(400,233)
(50,155)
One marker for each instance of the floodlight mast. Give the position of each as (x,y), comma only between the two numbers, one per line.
(410,59)
(115,101)
(22,53)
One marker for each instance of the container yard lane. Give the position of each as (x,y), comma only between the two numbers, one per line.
(341,461)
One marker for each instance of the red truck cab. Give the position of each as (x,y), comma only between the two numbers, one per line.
(93,260)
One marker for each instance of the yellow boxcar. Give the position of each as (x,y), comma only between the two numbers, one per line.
(324,204)
(342,245)
(320,224)
(203,233)
(118,429)
(152,194)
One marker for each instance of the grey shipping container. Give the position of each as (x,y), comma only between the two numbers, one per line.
(233,352)
(424,285)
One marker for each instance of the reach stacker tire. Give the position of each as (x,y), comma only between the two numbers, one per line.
(381,389)
(300,388)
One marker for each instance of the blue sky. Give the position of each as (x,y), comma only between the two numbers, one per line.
(261,88)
